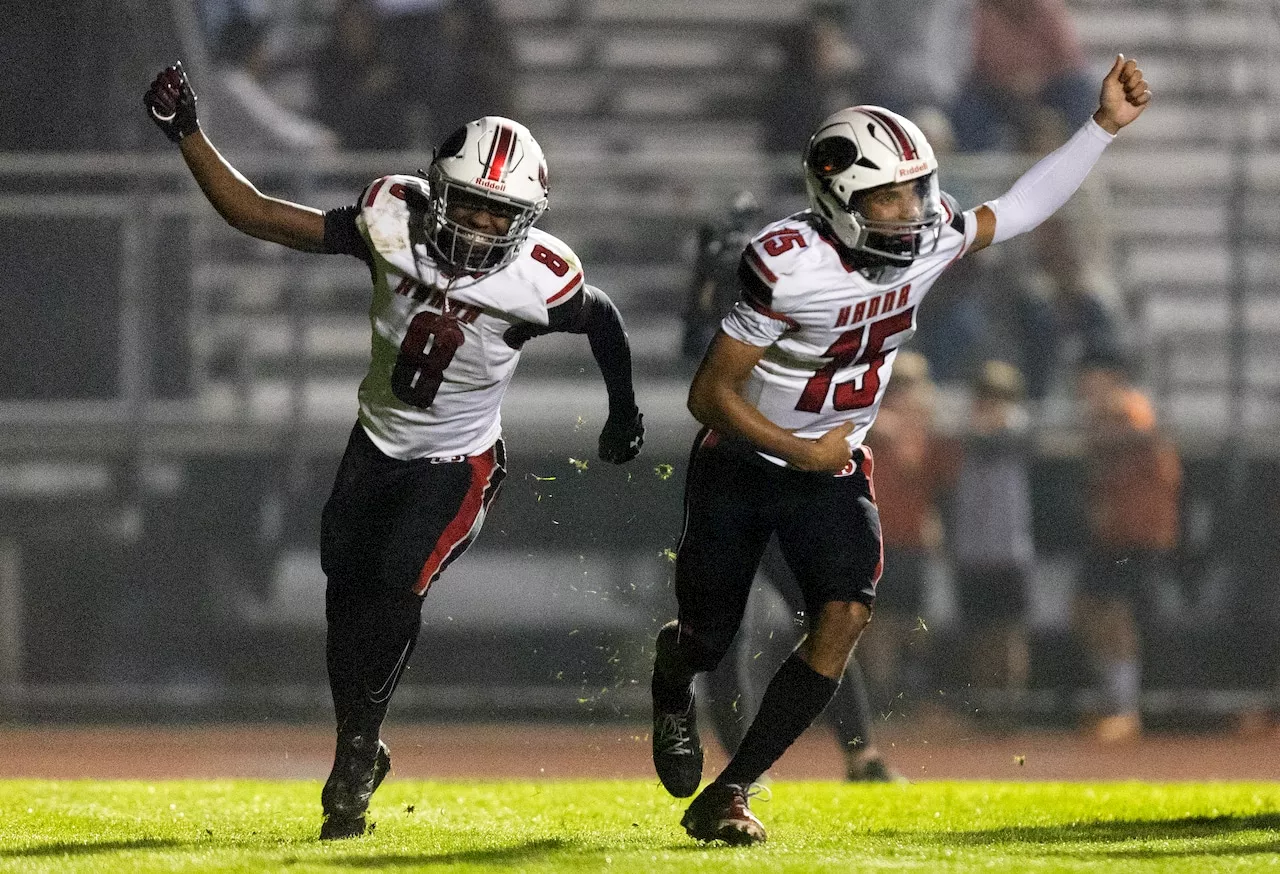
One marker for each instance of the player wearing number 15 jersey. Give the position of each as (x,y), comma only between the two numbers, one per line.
(787,392)
(461,281)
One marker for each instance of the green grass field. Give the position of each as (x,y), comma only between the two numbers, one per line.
(74,826)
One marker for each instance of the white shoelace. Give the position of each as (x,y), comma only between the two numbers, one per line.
(673,735)
(754,790)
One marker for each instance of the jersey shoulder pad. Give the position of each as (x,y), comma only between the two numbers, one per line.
(548,264)
(775,255)
(781,248)
(952,213)
(384,212)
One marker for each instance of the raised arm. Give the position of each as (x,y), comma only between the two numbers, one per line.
(1043,189)
(716,400)
(171,104)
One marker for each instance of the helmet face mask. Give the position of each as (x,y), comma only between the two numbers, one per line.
(858,157)
(491,165)
(900,241)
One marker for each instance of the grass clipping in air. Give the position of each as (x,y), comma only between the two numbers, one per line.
(202,826)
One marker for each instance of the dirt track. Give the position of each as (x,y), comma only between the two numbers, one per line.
(565,752)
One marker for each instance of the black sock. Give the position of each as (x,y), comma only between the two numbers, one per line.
(370,641)
(796,695)
(850,711)
(344,614)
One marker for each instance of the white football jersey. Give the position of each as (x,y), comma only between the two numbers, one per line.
(832,333)
(435,382)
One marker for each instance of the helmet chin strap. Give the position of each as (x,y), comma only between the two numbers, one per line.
(867,263)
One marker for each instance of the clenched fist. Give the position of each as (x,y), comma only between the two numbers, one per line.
(172,104)
(622,437)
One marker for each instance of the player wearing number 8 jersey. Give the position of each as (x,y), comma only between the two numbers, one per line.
(461,281)
(787,392)
(445,346)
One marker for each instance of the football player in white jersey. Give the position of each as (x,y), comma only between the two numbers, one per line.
(787,393)
(461,281)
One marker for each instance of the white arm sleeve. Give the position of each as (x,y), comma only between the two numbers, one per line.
(1038,193)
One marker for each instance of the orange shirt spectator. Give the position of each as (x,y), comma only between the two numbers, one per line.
(910,468)
(1135,476)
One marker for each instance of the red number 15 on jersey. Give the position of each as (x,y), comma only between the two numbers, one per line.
(845,352)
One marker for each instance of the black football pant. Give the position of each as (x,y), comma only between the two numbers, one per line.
(827,527)
(388,531)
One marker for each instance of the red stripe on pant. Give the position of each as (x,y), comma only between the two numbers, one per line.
(460,530)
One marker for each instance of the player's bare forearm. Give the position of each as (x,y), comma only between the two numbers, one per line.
(245,208)
(724,410)
(716,401)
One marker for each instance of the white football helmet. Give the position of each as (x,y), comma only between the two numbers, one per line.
(862,148)
(495,164)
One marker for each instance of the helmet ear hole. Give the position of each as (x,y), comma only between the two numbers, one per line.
(832,155)
(453,145)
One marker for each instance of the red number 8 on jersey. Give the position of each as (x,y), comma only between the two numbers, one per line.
(554,262)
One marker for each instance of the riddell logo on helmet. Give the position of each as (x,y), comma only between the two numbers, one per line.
(489,183)
(910,171)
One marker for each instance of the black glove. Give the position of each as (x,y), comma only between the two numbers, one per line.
(622,437)
(172,104)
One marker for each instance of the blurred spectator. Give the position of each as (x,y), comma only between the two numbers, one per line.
(951,337)
(1019,323)
(244,107)
(1027,87)
(1042,305)
(356,83)
(1134,484)
(414,45)
(713,288)
(478,78)
(453,61)
(991,534)
(910,467)
(990,308)
(912,58)
(213,16)
(814,79)
(1080,293)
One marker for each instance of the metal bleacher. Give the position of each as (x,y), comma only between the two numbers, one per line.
(646,110)
(1193,206)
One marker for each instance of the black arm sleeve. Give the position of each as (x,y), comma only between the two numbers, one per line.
(342,237)
(591,312)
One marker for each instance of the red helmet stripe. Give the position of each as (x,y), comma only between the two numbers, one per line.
(503,144)
(896,130)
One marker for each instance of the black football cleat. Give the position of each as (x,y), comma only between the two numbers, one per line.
(359,766)
(722,813)
(677,750)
